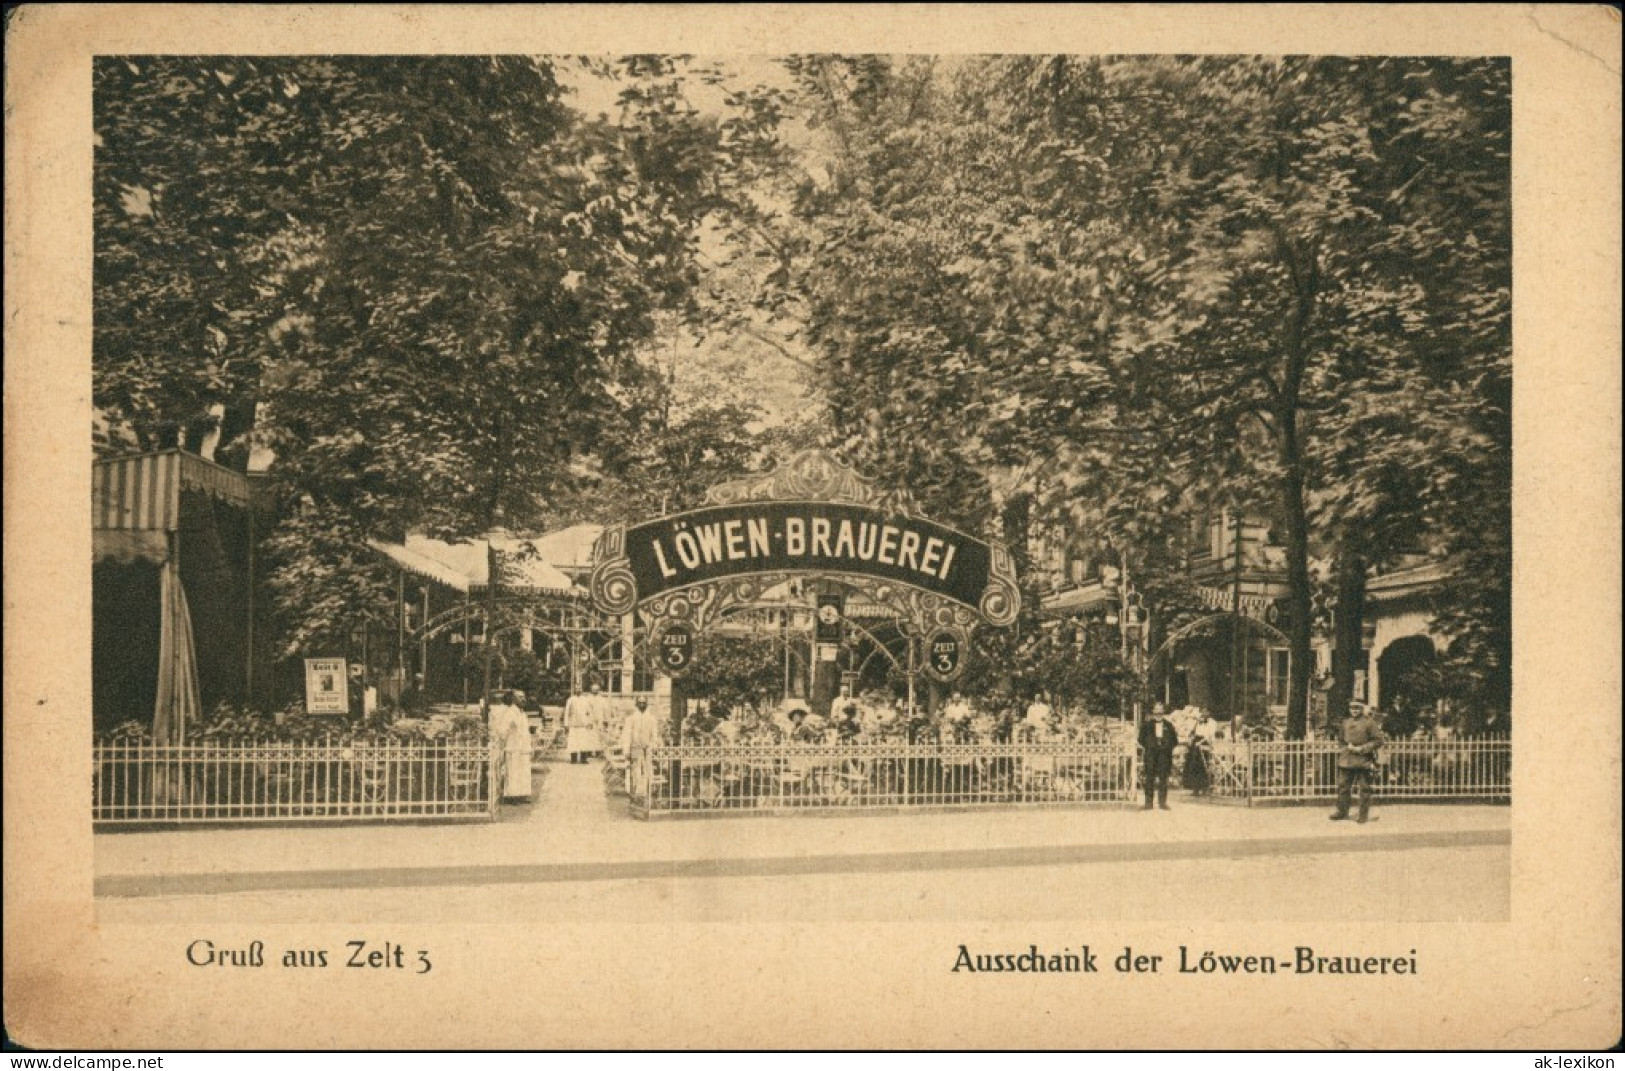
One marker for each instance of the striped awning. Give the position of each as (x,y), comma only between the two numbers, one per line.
(142,493)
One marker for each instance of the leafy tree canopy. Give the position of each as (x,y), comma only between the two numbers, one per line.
(424,282)
(1144,288)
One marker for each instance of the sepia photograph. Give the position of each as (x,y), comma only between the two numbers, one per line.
(702,505)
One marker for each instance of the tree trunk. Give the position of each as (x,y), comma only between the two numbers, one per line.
(491,567)
(1348,617)
(1298,599)
(1305,269)
(236,425)
(679,708)
(679,713)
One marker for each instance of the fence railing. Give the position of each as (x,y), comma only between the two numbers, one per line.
(773,777)
(284,782)
(1292,770)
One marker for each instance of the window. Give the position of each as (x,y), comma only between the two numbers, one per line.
(1196,536)
(1279,661)
(1257,673)
(1267,674)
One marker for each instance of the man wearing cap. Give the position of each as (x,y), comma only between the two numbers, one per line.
(581,721)
(1157,742)
(1362,739)
(639,733)
(603,718)
(510,730)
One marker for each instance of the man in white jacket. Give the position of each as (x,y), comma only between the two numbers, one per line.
(581,716)
(510,731)
(639,733)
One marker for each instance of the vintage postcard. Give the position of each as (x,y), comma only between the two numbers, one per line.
(836,527)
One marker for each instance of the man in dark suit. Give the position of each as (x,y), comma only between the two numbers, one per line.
(1157,741)
(1362,739)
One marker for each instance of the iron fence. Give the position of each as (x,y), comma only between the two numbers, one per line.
(790,777)
(293,782)
(1300,770)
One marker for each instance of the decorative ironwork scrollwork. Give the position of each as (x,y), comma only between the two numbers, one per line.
(816,475)
(1001,599)
(614,589)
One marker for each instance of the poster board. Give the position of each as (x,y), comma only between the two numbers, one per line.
(326,686)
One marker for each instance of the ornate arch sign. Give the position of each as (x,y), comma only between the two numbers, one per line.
(813,516)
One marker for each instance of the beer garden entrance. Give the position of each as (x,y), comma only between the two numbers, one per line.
(879,581)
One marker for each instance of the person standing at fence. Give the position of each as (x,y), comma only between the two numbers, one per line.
(1362,739)
(872,718)
(1157,742)
(581,726)
(1197,777)
(1036,724)
(956,717)
(511,732)
(845,721)
(639,733)
(603,718)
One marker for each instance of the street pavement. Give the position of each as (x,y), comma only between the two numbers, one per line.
(573,835)
(1444,886)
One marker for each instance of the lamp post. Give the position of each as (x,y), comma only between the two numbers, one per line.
(1126,615)
(493,577)
(1238,712)
(784,637)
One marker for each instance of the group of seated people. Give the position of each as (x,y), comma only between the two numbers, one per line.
(878,718)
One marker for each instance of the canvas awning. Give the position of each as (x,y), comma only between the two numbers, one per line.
(178,704)
(136,516)
(143,492)
(420,564)
(1410,580)
(570,549)
(466,566)
(135,501)
(1092,596)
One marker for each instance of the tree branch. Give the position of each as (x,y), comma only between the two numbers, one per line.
(752,331)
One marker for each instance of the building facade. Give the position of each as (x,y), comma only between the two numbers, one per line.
(1222,645)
